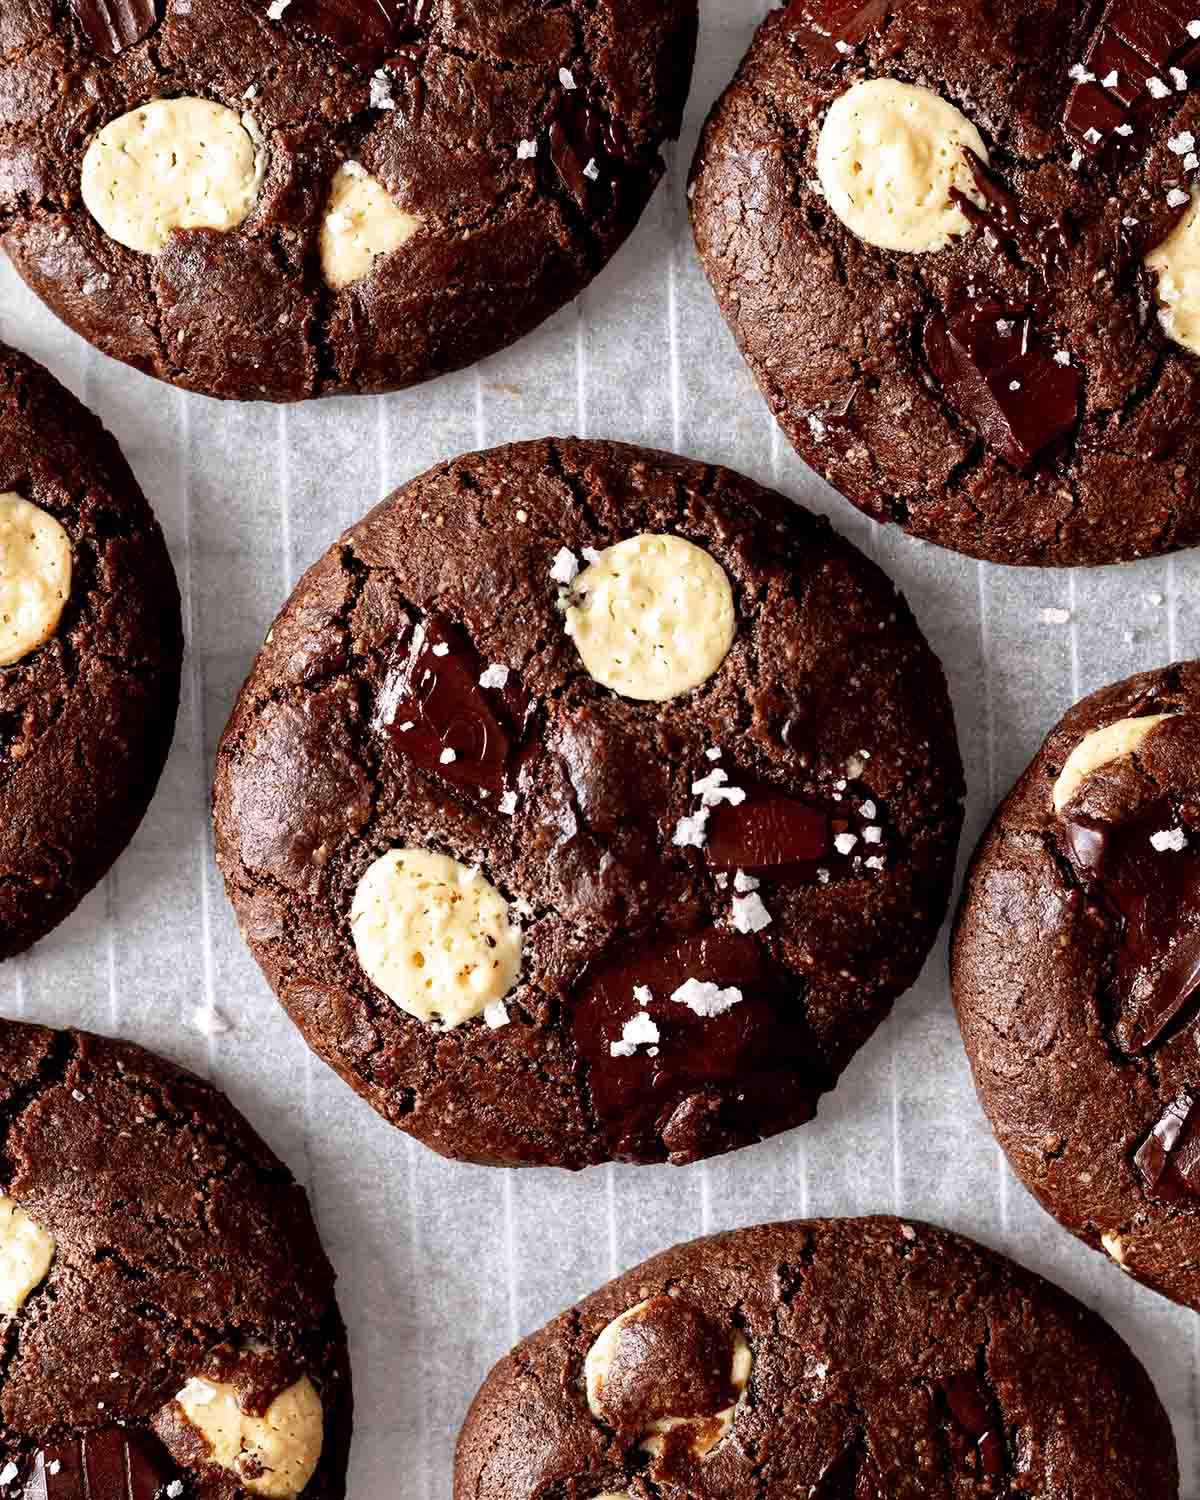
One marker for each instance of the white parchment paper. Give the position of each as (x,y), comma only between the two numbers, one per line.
(444,1266)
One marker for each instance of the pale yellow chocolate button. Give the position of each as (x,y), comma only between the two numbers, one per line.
(172,164)
(362,222)
(652,617)
(26,1251)
(435,936)
(709,1430)
(35,577)
(1177,264)
(888,156)
(273,1455)
(1100,748)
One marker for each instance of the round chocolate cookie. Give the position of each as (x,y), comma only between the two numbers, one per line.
(956,242)
(589,803)
(277,200)
(1076,975)
(851,1359)
(168,1314)
(90,650)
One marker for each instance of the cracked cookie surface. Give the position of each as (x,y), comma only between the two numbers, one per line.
(886,1359)
(1014,394)
(87,701)
(1076,973)
(518,142)
(717,896)
(185,1260)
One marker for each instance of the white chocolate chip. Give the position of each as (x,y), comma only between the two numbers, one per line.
(652,618)
(172,164)
(1177,264)
(362,222)
(26,1251)
(437,942)
(35,577)
(1099,748)
(711,1428)
(273,1455)
(888,156)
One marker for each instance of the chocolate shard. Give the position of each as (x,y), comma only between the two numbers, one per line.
(819,25)
(973,1410)
(1003,380)
(586,145)
(115,1463)
(1030,241)
(111,26)
(1135,42)
(1153,896)
(1168,1160)
(365,32)
(431,704)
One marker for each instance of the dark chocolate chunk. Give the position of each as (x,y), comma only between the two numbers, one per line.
(586,145)
(973,1410)
(1154,895)
(1002,379)
(1136,40)
(819,25)
(365,32)
(634,1095)
(1033,242)
(768,834)
(1169,1158)
(115,1463)
(431,702)
(112,25)
(671,1360)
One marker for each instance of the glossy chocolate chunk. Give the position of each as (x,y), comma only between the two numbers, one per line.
(115,1463)
(854,1475)
(671,1360)
(636,1097)
(997,374)
(769,834)
(365,32)
(431,702)
(112,25)
(1154,895)
(1034,243)
(973,1409)
(1136,40)
(586,145)
(1168,1160)
(819,25)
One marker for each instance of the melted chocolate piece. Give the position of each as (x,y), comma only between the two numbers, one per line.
(854,1475)
(973,1410)
(1137,40)
(1169,1158)
(670,1360)
(818,25)
(1155,896)
(112,25)
(116,1463)
(634,1096)
(583,140)
(430,702)
(365,32)
(1030,241)
(1002,379)
(770,834)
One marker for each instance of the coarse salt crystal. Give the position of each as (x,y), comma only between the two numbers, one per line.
(638,1032)
(495,676)
(508,804)
(496,1014)
(1176,198)
(690,832)
(748,913)
(526,150)
(823,877)
(1125,129)
(705,998)
(276,9)
(592,171)
(711,789)
(642,994)
(1157,88)
(8,1473)
(1062,357)
(1110,80)
(1191,161)
(875,862)
(873,835)
(1080,74)
(1180,79)
(1014,385)
(78,1096)
(1092,135)
(565,568)
(441,649)
(1076,159)
(1169,838)
(566,78)
(1193,28)
(714,753)
(867,809)
(845,842)
(1182,143)
(249,94)
(175,1489)
(381,91)
(744,882)
(591,554)
(448,757)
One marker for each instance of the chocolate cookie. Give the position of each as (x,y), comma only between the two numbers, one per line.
(852,1359)
(589,803)
(1077,975)
(167,1310)
(955,242)
(90,652)
(277,200)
